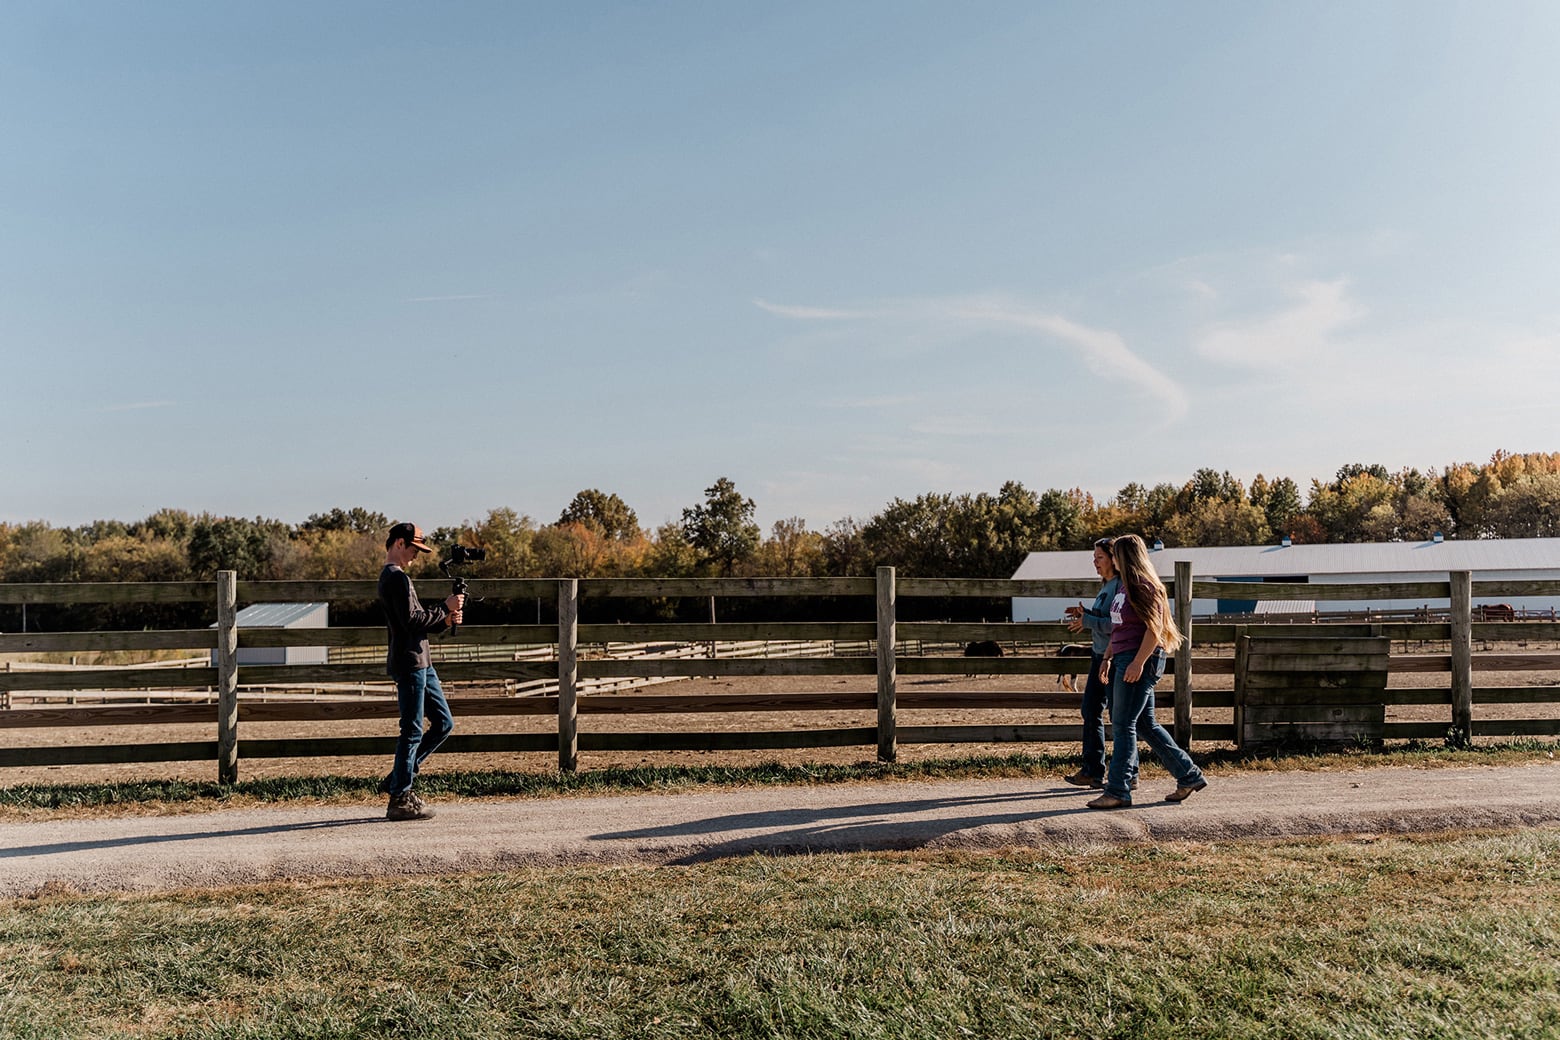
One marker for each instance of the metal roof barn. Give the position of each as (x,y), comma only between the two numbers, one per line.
(1495,559)
(282,615)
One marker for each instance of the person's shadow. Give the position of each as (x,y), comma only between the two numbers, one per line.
(890,826)
(60,848)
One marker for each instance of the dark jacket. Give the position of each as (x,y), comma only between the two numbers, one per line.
(407,621)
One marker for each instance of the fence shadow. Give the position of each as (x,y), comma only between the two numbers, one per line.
(897,825)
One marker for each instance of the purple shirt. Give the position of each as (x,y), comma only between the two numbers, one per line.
(1128,630)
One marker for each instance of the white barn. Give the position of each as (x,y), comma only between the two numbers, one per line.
(282,615)
(1508,559)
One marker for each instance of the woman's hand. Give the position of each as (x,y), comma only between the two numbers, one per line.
(1105,670)
(1134,672)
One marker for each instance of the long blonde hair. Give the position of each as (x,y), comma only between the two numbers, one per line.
(1144,590)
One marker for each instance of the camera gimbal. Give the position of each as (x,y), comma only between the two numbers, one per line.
(460,555)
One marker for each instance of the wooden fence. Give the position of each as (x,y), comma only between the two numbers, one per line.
(566,667)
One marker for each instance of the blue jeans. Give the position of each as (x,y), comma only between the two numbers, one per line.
(1132,714)
(1095,694)
(419,694)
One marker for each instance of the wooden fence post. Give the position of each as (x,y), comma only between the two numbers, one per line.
(1183,654)
(1462,658)
(1242,652)
(568,674)
(887,669)
(227,677)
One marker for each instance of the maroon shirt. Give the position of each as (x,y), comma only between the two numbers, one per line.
(1129,628)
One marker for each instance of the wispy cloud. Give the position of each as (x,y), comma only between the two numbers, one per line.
(1294,336)
(1104,352)
(884,401)
(816,313)
(954,426)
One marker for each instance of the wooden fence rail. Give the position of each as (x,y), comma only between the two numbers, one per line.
(571,664)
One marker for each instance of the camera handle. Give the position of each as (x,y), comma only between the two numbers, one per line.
(459,590)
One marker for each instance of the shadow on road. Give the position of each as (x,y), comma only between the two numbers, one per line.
(63,847)
(897,825)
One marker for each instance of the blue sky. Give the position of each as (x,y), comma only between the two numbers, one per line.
(433,259)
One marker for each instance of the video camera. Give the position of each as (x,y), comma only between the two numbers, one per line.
(460,555)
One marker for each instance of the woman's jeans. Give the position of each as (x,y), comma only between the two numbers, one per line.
(419,694)
(1131,716)
(1095,694)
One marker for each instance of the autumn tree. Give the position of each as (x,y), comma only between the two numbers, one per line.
(337,553)
(1527,507)
(845,549)
(570,550)
(791,550)
(671,554)
(606,514)
(1218,521)
(910,535)
(235,544)
(125,557)
(37,552)
(173,524)
(1281,505)
(355,520)
(722,528)
(509,538)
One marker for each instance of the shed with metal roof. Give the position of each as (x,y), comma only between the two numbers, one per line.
(1495,559)
(282,615)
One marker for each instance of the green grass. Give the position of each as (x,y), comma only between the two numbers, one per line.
(1395,938)
(21,801)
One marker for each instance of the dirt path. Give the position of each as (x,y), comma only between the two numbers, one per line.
(257,845)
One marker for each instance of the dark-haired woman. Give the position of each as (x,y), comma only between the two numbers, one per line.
(1096,691)
(1142,633)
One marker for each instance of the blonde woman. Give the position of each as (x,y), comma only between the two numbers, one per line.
(1142,633)
(1096,691)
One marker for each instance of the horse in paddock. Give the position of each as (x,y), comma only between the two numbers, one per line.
(1069,682)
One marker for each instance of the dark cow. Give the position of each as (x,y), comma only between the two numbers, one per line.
(984,648)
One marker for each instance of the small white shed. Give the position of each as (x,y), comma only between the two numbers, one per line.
(282,615)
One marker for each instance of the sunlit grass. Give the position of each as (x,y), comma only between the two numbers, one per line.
(1410,938)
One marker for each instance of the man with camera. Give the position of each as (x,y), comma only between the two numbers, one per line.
(411,666)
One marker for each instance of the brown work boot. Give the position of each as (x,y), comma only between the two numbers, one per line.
(1181,794)
(407,806)
(1110,801)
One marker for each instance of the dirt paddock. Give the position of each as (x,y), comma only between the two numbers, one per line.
(250,769)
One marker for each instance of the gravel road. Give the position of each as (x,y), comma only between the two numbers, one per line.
(223,848)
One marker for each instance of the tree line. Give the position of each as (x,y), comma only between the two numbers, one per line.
(937,534)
